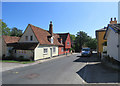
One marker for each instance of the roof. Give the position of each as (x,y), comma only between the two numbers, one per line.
(24,46)
(43,35)
(103,29)
(114,27)
(10,39)
(63,36)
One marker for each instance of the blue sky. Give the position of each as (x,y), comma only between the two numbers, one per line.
(66,16)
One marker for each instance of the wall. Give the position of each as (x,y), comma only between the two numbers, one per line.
(0,47)
(60,50)
(100,36)
(68,40)
(40,49)
(119,47)
(4,48)
(25,53)
(28,32)
(112,42)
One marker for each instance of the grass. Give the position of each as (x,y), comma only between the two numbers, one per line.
(13,61)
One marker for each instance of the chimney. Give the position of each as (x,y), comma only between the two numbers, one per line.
(51,28)
(113,22)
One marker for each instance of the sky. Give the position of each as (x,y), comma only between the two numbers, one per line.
(69,17)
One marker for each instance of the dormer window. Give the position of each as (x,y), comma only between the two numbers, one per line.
(51,40)
(31,38)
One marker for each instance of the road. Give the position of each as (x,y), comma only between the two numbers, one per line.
(71,69)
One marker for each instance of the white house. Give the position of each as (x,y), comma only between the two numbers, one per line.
(37,43)
(113,41)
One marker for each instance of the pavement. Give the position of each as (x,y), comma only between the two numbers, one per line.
(72,69)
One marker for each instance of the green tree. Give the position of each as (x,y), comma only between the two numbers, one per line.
(5,29)
(80,40)
(72,37)
(16,32)
(91,43)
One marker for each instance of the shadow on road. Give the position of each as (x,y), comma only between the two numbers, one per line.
(97,73)
(92,58)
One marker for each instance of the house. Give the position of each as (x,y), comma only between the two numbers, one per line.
(100,41)
(100,35)
(37,43)
(6,44)
(65,39)
(113,41)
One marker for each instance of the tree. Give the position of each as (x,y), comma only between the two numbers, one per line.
(72,37)
(16,32)
(80,40)
(92,43)
(5,29)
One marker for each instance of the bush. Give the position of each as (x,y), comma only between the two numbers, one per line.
(8,58)
(21,58)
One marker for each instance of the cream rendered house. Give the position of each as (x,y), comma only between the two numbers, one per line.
(37,43)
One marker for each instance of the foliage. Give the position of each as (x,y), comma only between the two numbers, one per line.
(91,43)
(5,29)
(16,32)
(83,40)
(72,37)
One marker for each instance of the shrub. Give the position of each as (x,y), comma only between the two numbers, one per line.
(21,58)
(8,58)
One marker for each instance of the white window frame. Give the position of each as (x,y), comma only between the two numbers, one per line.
(45,50)
(68,43)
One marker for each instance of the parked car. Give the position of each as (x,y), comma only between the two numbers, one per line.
(86,52)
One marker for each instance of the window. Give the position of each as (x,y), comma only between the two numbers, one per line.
(62,49)
(45,51)
(66,49)
(52,40)
(31,38)
(54,50)
(67,43)
(26,38)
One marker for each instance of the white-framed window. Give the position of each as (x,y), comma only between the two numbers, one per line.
(45,50)
(62,49)
(54,49)
(26,38)
(67,43)
(31,38)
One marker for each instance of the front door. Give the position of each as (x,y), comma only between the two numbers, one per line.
(50,52)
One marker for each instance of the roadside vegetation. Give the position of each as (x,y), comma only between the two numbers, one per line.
(82,39)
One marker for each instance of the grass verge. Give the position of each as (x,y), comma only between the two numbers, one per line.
(13,61)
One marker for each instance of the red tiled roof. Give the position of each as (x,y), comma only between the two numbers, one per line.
(10,39)
(42,36)
(63,36)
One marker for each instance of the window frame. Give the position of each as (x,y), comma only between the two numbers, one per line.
(45,52)
(68,43)
(54,49)
(31,38)
(26,38)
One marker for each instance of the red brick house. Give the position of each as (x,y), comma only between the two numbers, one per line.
(65,40)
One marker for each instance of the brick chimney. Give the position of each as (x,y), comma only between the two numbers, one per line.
(113,21)
(51,28)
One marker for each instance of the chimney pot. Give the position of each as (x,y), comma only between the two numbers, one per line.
(111,19)
(115,19)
